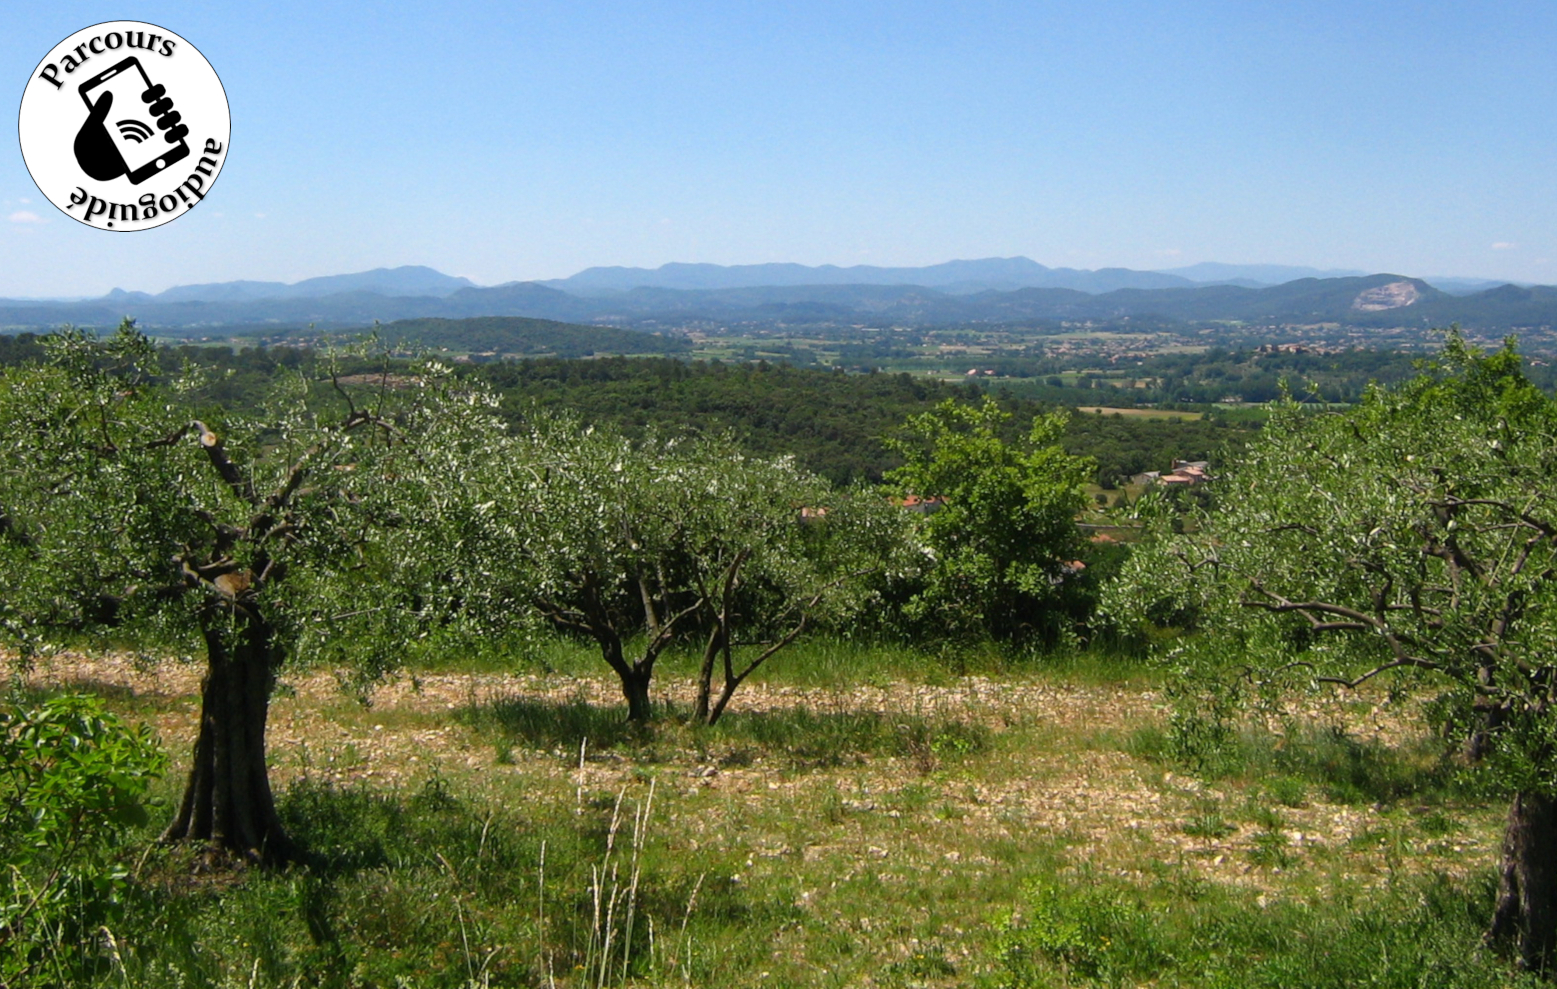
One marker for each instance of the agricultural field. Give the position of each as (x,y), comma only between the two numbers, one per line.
(866,817)
(1142,413)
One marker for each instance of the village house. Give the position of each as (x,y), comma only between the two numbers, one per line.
(1185,473)
(918,505)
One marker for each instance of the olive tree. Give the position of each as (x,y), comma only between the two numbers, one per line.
(780,552)
(999,517)
(1412,537)
(642,544)
(258,537)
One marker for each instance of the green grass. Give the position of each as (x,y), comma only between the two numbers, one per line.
(820,840)
(1095,931)
(1322,761)
(799,737)
(825,739)
(553,725)
(432,887)
(813,662)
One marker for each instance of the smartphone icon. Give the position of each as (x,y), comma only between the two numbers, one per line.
(130,123)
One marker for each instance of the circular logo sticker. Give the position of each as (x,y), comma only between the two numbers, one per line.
(124,126)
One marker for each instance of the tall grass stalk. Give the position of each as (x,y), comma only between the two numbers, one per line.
(686,941)
(578,794)
(640,834)
(540,922)
(615,902)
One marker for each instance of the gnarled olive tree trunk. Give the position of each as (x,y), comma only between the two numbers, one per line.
(227,799)
(635,676)
(595,618)
(1526,913)
(635,688)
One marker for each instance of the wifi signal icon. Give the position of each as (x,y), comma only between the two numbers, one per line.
(134,131)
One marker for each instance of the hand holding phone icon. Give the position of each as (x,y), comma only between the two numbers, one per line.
(128,144)
(96,152)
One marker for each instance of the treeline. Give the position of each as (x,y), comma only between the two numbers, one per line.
(1217,375)
(516,335)
(1124,446)
(1031,362)
(835,424)
(1259,375)
(20,348)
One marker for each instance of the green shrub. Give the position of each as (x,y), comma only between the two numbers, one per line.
(72,777)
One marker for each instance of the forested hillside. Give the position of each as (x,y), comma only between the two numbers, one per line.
(511,336)
(835,423)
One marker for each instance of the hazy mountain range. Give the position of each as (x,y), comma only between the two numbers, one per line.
(988,290)
(953,277)
(960,277)
(411,280)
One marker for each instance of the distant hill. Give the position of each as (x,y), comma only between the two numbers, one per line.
(410,280)
(268,316)
(516,336)
(1507,307)
(1466,286)
(1258,274)
(1265,275)
(520,298)
(1343,300)
(1306,300)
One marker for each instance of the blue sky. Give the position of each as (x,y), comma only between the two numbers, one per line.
(506,141)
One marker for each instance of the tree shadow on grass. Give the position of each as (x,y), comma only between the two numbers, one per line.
(1356,771)
(551,725)
(821,739)
(347,829)
(1342,768)
(800,736)
(119,696)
